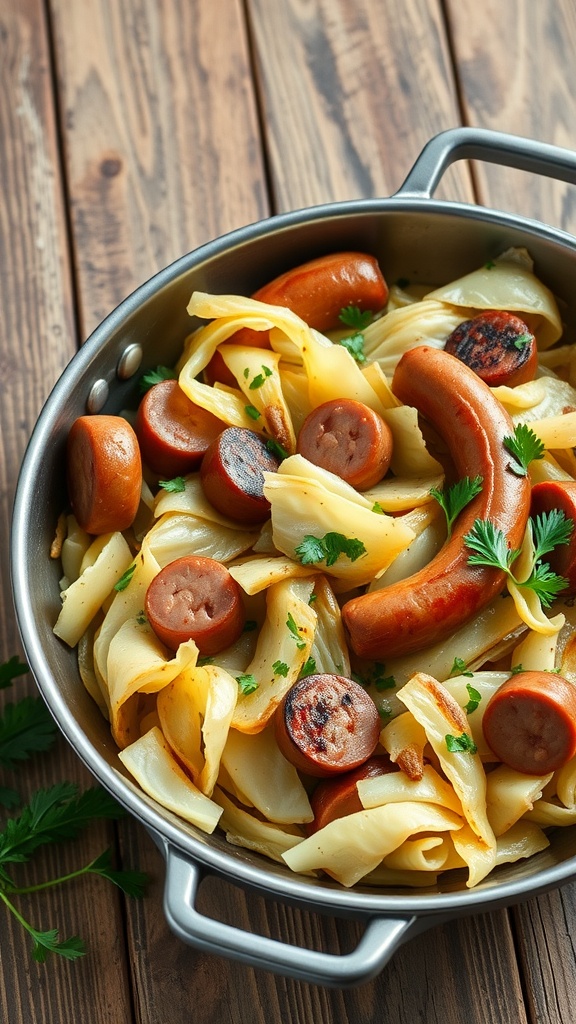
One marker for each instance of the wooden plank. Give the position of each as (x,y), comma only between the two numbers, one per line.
(351,92)
(515,69)
(36,341)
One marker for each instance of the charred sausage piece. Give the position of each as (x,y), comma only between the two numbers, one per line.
(319,290)
(195,598)
(430,605)
(337,797)
(560,494)
(173,432)
(232,474)
(530,722)
(348,439)
(326,724)
(104,472)
(498,346)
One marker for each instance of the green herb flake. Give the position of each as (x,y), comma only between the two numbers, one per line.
(355,346)
(522,340)
(260,378)
(125,578)
(276,449)
(516,669)
(384,683)
(300,641)
(475,698)
(459,668)
(313,550)
(280,668)
(461,744)
(353,316)
(377,507)
(141,618)
(252,412)
(309,667)
(246,372)
(174,486)
(156,376)
(247,683)
(455,498)
(490,265)
(204,659)
(525,446)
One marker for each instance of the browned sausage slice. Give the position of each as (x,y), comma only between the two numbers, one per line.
(195,598)
(430,605)
(530,722)
(327,724)
(318,291)
(348,439)
(104,472)
(498,346)
(336,797)
(232,474)
(173,432)
(560,494)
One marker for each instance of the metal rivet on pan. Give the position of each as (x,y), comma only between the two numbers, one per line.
(129,361)
(98,396)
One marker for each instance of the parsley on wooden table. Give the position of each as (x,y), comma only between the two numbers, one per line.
(52,815)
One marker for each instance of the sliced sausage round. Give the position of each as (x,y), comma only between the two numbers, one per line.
(348,439)
(338,796)
(327,724)
(195,598)
(498,346)
(530,722)
(560,494)
(173,432)
(232,474)
(104,471)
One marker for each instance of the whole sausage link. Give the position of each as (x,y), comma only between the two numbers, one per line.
(430,605)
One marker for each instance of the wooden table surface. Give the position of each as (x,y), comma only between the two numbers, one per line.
(130,133)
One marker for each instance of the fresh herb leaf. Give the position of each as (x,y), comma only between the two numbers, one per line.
(174,486)
(152,377)
(455,498)
(276,448)
(252,412)
(309,667)
(524,446)
(461,744)
(516,669)
(329,548)
(489,546)
(125,578)
(259,379)
(384,683)
(490,265)
(377,507)
(475,698)
(247,683)
(549,529)
(546,584)
(141,618)
(522,340)
(133,883)
(459,668)
(280,668)
(300,641)
(246,372)
(10,670)
(26,728)
(355,346)
(354,317)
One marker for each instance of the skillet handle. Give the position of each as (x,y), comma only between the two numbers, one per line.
(380,940)
(492,147)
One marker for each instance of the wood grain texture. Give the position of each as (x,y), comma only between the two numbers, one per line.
(161,136)
(515,66)
(351,92)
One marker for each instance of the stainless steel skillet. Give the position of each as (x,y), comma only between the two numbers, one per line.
(415,236)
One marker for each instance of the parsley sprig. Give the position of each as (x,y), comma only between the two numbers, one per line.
(525,446)
(489,547)
(328,548)
(353,316)
(156,376)
(455,498)
(52,815)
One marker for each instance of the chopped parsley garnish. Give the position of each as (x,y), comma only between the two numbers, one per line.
(522,340)
(247,683)
(204,659)
(489,547)
(524,446)
(260,378)
(461,744)
(455,498)
(313,550)
(459,668)
(276,448)
(174,486)
(152,377)
(252,412)
(141,618)
(490,265)
(475,698)
(516,669)
(377,507)
(354,317)
(355,346)
(280,668)
(125,577)
(300,641)
(309,667)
